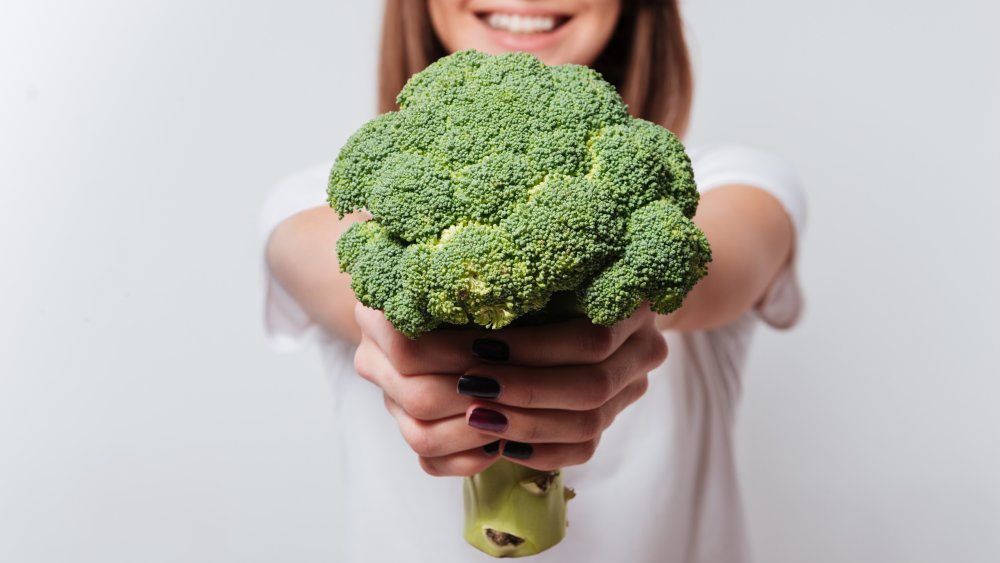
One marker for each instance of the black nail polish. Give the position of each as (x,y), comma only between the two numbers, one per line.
(488,420)
(492,448)
(517,450)
(476,386)
(489,349)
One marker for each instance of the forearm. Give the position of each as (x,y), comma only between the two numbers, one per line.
(751,237)
(301,254)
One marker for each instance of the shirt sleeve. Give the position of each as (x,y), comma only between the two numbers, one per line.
(286,324)
(782,303)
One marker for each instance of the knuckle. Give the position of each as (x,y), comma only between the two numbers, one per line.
(420,404)
(658,349)
(358,363)
(419,439)
(600,389)
(642,385)
(590,425)
(600,342)
(430,467)
(532,434)
(362,365)
(403,354)
(361,316)
(585,451)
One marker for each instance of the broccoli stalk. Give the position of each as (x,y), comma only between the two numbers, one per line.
(501,187)
(512,510)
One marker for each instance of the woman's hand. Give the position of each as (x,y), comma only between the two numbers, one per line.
(539,395)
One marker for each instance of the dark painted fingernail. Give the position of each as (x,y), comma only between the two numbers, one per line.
(517,450)
(476,386)
(492,448)
(489,349)
(488,420)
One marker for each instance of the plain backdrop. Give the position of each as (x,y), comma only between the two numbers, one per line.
(142,418)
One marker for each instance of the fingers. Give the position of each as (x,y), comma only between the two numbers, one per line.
(424,397)
(572,342)
(461,464)
(543,457)
(579,387)
(551,425)
(553,389)
(451,446)
(436,438)
(437,351)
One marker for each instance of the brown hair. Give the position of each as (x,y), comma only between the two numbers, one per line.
(646,58)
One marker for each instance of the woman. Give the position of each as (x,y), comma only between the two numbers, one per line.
(661,487)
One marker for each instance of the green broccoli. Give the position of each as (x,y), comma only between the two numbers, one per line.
(500,187)
(501,182)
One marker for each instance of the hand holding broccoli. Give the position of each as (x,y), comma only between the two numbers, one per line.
(561,388)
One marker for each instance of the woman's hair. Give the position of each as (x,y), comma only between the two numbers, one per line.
(646,58)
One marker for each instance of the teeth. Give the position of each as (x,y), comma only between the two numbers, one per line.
(515,23)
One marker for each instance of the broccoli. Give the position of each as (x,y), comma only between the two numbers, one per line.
(500,191)
(502,182)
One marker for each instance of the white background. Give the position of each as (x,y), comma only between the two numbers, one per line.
(142,418)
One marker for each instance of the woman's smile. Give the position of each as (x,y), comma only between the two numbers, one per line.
(525,30)
(556,31)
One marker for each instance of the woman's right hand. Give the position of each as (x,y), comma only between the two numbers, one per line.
(555,387)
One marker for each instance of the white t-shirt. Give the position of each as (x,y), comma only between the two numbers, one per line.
(662,487)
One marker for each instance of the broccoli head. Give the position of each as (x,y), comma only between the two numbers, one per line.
(501,182)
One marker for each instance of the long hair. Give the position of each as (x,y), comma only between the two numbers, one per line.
(646,58)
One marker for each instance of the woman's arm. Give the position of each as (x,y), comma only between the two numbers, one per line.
(301,254)
(752,238)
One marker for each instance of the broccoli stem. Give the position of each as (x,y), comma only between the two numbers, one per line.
(514,511)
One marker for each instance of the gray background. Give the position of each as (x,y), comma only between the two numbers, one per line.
(143,419)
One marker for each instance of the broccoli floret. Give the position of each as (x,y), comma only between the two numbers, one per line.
(501,182)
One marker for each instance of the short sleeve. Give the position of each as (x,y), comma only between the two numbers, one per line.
(782,303)
(286,324)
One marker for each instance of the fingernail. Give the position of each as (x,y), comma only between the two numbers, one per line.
(489,349)
(488,420)
(492,448)
(476,386)
(517,450)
